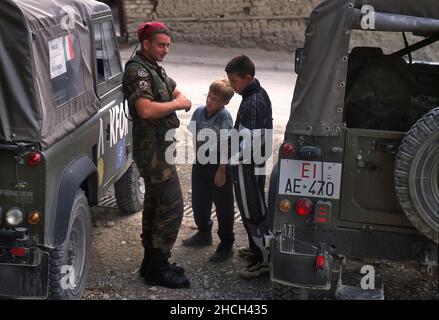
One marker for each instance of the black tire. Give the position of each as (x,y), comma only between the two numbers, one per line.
(417,175)
(74,252)
(281,292)
(130,190)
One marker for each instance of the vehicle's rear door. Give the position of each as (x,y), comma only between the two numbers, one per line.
(368,192)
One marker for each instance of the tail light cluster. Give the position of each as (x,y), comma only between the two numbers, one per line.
(285,206)
(15,217)
(18,251)
(323,212)
(320,262)
(288,149)
(305,207)
(34,158)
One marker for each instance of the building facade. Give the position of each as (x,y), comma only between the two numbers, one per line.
(268,24)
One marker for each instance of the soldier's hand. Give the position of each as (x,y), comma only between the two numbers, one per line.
(183,103)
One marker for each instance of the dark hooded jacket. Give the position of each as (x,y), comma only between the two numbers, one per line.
(255,109)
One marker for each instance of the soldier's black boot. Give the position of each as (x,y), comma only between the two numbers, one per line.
(164,274)
(147,267)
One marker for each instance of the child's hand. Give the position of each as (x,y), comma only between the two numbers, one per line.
(220,178)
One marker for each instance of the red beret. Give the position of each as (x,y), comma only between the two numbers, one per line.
(144,30)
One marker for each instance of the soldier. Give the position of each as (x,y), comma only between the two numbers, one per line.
(153,99)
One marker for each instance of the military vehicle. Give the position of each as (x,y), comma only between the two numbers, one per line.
(358,172)
(64,140)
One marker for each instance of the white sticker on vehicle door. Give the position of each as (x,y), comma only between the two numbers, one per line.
(310,179)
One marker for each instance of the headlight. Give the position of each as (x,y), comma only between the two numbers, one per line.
(14,217)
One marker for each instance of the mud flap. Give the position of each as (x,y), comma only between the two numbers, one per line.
(25,281)
(293,263)
(346,292)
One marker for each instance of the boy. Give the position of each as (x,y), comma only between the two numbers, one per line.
(212,182)
(254,115)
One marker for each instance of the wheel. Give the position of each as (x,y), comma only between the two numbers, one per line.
(70,262)
(130,190)
(281,292)
(417,175)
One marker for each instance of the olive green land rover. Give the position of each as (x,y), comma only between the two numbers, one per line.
(64,140)
(358,172)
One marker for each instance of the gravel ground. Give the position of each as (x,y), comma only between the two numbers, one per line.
(117,254)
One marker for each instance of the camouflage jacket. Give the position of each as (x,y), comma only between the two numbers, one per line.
(144,79)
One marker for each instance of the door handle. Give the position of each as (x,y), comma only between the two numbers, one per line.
(386,147)
(367,166)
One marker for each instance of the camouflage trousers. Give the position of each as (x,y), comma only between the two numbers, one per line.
(163,204)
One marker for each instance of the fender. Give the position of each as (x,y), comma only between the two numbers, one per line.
(74,175)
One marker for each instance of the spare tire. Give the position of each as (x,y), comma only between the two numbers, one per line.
(417,175)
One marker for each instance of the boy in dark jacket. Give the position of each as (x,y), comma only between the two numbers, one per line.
(254,117)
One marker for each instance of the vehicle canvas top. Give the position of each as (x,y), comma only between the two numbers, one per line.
(46,72)
(317,107)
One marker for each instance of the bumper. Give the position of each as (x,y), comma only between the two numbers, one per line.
(297,268)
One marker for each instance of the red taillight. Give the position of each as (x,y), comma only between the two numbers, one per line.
(322,220)
(34,159)
(322,212)
(320,262)
(304,207)
(288,149)
(18,252)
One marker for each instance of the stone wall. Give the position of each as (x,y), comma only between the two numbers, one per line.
(268,24)
(137,11)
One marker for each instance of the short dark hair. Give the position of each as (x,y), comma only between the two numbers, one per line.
(242,66)
(152,36)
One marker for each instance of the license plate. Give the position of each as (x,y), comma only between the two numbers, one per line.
(310,179)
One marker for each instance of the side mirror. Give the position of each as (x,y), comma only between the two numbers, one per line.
(298,60)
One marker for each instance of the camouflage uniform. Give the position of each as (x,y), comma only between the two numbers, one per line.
(163,205)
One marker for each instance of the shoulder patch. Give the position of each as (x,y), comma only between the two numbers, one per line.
(144,84)
(143,73)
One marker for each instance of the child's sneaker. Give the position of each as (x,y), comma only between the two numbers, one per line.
(222,253)
(246,253)
(200,239)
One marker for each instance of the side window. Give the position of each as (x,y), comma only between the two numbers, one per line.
(66,71)
(107,59)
